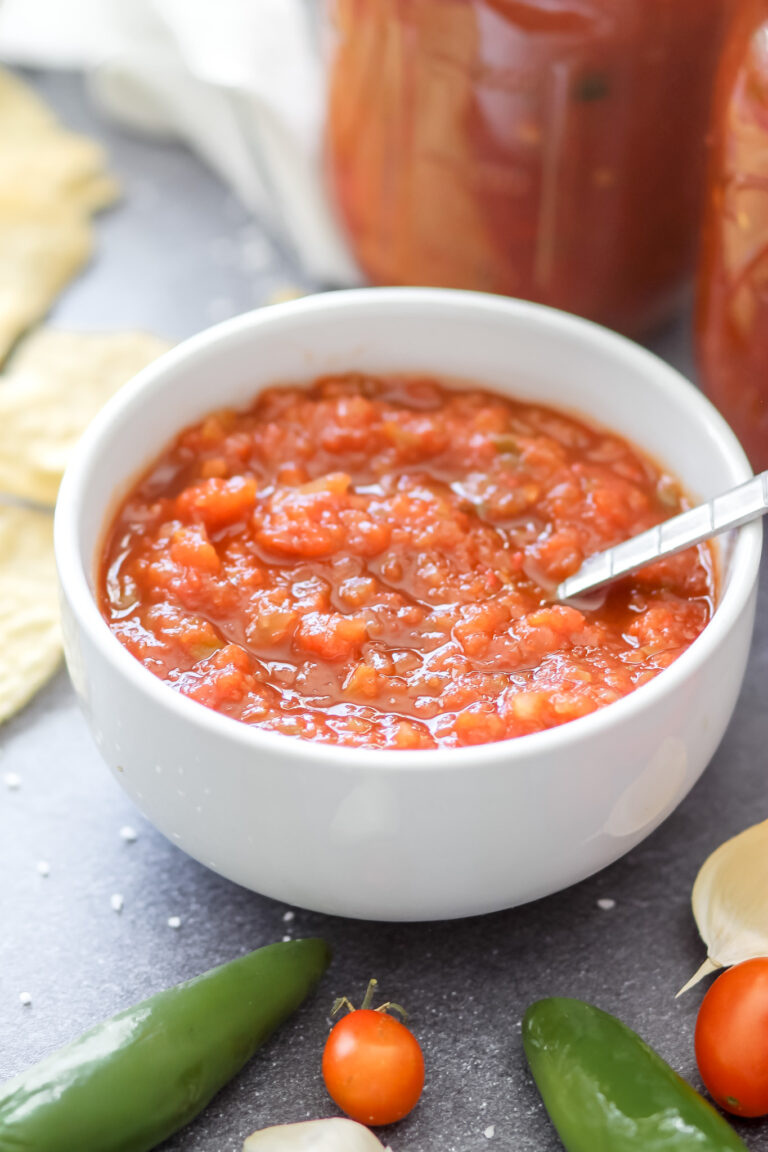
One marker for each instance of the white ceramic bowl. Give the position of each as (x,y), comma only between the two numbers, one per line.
(387,834)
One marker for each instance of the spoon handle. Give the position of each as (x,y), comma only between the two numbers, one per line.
(739,506)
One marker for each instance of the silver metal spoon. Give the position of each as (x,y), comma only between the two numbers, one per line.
(733,508)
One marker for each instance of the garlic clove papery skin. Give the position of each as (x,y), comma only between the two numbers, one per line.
(730,901)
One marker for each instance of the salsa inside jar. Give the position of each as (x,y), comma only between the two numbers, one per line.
(549,149)
(369,562)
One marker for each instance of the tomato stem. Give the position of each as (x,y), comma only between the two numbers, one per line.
(390,1006)
(342,1002)
(368,998)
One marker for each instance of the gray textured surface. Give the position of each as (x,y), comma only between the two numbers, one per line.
(178,254)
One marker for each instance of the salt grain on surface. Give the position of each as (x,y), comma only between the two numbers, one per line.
(490,1132)
(174,921)
(12,781)
(25,998)
(116,902)
(288,916)
(606,903)
(128,834)
(44,868)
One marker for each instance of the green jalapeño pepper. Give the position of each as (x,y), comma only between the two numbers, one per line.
(607,1091)
(132,1081)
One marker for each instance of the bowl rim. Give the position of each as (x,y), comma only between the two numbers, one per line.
(74,582)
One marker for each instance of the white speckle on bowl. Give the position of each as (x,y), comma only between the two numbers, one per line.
(158,768)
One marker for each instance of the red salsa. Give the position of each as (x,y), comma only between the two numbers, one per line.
(369,562)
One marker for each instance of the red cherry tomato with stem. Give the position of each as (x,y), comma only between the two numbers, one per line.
(731,1039)
(373,1066)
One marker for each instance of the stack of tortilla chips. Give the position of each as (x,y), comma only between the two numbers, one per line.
(51,183)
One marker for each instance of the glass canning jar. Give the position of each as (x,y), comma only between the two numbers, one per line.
(550,149)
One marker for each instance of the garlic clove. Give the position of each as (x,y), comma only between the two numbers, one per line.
(334,1135)
(730,904)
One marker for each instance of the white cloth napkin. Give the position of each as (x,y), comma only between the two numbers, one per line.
(240,81)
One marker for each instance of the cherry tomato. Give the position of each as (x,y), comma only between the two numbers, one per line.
(373,1067)
(731,1039)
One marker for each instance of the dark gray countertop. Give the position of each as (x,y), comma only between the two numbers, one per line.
(178,254)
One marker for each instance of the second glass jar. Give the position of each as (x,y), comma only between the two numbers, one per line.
(732,313)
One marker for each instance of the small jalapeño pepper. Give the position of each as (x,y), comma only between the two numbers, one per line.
(604,1088)
(132,1081)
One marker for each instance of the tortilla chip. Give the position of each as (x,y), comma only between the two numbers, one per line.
(22,112)
(30,644)
(55,384)
(55,166)
(98,192)
(42,246)
(51,180)
(285,293)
